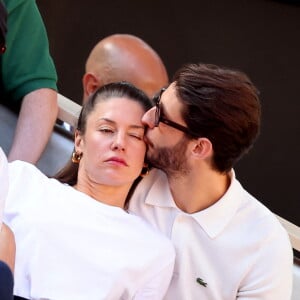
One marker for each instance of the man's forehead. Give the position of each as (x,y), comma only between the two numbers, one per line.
(171,103)
(169,95)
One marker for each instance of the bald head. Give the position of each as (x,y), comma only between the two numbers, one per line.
(123,57)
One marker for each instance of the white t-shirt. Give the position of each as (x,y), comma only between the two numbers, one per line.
(70,246)
(236,246)
(3,186)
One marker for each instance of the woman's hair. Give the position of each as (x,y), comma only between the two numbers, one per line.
(69,173)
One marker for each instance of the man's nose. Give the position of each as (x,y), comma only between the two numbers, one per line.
(148,118)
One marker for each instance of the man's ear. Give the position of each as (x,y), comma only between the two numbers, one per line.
(203,148)
(90,83)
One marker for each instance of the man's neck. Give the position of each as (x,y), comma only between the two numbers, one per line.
(195,192)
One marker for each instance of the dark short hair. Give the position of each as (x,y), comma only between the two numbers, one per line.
(69,173)
(222,105)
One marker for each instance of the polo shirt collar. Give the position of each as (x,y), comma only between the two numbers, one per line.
(159,193)
(213,219)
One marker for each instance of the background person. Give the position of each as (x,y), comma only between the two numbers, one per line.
(74,237)
(124,57)
(28,80)
(228,245)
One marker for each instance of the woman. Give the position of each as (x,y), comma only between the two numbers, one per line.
(76,240)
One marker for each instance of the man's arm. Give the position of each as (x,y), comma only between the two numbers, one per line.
(28,80)
(271,275)
(35,124)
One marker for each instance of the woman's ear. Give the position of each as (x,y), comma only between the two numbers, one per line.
(78,141)
(203,148)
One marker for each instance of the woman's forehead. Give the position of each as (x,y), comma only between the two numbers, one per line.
(118,108)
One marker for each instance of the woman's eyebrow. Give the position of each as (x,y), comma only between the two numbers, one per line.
(106,120)
(114,123)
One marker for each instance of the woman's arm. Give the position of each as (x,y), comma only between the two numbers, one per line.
(7,240)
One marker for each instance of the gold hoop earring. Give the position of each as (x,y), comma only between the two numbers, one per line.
(76,157)
(145,170)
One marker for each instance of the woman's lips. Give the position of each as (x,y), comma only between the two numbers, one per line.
(117,161)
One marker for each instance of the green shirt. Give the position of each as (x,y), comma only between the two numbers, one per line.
(26,64)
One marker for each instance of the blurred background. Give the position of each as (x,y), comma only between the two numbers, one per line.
(260,37)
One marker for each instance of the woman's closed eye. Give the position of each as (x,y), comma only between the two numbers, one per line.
(109,130)
(138,136)
(106,129)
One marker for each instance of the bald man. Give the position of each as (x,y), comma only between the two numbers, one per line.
(124,57)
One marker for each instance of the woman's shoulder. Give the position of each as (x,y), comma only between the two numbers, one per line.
(24,169)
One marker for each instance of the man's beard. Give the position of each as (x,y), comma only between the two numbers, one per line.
(170,160)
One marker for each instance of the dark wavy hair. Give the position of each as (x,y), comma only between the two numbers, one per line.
(222,105)
(69,173)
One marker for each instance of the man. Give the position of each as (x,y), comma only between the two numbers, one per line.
(228,245)
(124,57)
(28,80)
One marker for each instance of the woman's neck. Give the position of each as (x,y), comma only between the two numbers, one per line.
(110,195)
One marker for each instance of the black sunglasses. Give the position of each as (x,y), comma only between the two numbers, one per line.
(160,118)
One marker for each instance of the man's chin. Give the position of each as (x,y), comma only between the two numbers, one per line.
(149,153)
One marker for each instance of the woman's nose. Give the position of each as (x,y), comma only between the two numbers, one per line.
(118,142)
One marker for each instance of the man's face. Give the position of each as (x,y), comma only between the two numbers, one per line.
(167,146)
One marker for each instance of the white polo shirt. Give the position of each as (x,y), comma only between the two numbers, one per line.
(236,247)
(72,247)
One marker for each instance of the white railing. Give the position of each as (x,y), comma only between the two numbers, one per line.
(68,110)
(293,231)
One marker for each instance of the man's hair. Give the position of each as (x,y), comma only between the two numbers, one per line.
(222,105)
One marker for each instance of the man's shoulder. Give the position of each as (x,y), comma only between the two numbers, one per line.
(261,223)
(156,178)
(151,190)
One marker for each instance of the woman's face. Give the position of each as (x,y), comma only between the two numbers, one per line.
(112,147)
